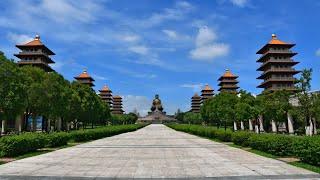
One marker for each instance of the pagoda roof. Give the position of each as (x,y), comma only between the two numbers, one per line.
(207,88)
(105,88)
(84,75)
(196,95)
(227,74)
(274,41)
(35,42)
(117,97)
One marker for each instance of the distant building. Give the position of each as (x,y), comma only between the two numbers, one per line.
(228,82)
(277,65)
(35,53)
(117,105)
(85,78)
(195,103)
(206,93)
(106,95)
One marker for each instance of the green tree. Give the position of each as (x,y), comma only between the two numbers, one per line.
(225,105)
(193,118)
(245,107)
(12,88)
(273,106)
(36,93)
(57,95)
(305,99)
(209,111)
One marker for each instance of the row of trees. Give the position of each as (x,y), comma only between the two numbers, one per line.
(33,92)
(269,108)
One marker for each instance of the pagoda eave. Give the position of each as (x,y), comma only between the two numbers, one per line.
(262,50)
(47,59)
(262,67)
(292,72)
(41,65)
(270,81)
(88,78)
(23,46)
(222,78)
(264,56)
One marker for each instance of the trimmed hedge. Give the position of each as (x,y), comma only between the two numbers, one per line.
(92,134)
(21,144)
(15,145)
(304,147)
(57,139)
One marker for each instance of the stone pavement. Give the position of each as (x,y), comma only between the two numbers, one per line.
(155,151)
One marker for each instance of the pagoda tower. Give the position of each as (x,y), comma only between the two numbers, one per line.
(206,93)
(277,65)
(195,103)
(106,95)
(117,105)
(228,82)
(85,78)
(35,53)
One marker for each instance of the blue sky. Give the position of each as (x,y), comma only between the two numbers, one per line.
(143,47)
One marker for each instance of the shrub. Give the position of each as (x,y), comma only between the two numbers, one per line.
(308,149)
(241,138)
(93,134)
(223,135)
(19,144)
(57,139)
(15,145)
(204,131)
(303,147)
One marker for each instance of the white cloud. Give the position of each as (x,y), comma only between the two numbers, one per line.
(139,49)
(173,35)
(318,52)
(140,103)
(64,11)
(19,38)
(178,12)
(184,5)
(210,51)
(170,33)
(205,46)
(98,77)
(194,87)
(239,3)
(130,38)
(205,36)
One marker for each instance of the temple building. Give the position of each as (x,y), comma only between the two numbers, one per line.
(277,65)
(117,105)
(228,82)
(206,93)
(85,78)
(106,95)
(156,115)
(35,53)
(195,103)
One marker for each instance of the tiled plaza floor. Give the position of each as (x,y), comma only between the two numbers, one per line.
(155,151)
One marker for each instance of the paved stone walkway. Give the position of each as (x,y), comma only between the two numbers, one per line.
(155,151)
